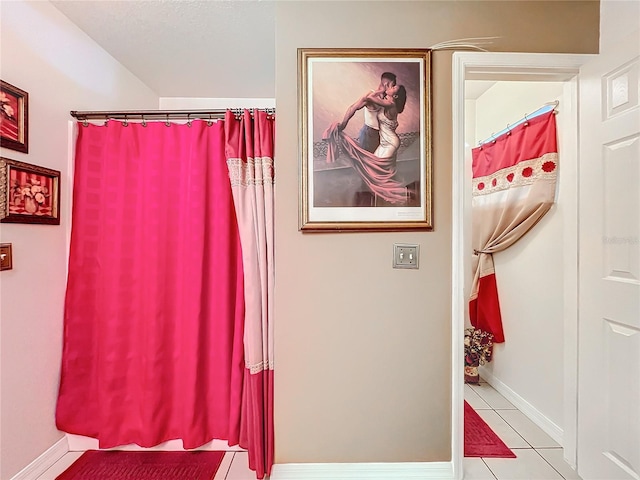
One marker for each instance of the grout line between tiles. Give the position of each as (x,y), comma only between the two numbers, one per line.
(549,463)
(476,388)
(490,471)
(233,457)
(514,429)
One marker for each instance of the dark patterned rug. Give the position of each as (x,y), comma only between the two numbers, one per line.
(125,465)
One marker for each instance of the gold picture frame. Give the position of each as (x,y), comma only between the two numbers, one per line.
(347,183)
(28,193)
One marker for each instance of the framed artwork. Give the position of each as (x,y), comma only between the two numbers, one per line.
(28,193)
(365,139)
(14,118)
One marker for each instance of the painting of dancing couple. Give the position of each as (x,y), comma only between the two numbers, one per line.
(365,119)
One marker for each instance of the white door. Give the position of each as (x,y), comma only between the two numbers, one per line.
(609,266)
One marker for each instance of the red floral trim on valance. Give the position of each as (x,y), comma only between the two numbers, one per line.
(524,173)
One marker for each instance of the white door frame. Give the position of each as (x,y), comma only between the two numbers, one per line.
(506,66)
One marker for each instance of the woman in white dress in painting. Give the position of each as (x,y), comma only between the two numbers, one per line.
(393,103)
(377,169)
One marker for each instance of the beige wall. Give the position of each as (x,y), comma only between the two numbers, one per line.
(44,54)
(363,350)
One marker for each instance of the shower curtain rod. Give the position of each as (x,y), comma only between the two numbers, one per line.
(217,113)
(547,107)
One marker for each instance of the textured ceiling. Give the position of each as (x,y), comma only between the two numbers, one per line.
(185,48)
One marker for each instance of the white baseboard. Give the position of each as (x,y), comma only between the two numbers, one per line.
(80,443)
(363,471)
(537,417)
(45,461)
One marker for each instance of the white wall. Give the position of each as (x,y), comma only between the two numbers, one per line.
(618,19)
(194,103)
(62,69)
(530,273)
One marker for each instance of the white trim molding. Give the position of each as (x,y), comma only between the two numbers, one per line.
(363,471)
(45,461)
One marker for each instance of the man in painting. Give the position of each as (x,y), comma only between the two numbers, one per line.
(369,136)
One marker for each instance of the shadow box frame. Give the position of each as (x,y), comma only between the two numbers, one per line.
(21,180)
(15,101)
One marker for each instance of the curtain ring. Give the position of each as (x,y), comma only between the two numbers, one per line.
(85,123)
(189,120)
(210,121)
(493,136)
(106,122)
(144,122)
(167,123)
(508,130)
(526,120)
(126,122)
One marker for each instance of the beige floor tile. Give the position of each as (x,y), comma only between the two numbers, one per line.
(555,457)
(476,469)
(532,433)
(528,466)
(473,399)
(240,468)
(60,466)
(491,396)
(223,469)
(507,434)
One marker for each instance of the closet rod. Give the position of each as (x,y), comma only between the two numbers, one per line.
(547,107)
(217,113)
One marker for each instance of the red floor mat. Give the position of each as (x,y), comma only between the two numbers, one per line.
(480,440)
(125,465)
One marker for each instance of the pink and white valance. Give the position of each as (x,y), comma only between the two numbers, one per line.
(514,184)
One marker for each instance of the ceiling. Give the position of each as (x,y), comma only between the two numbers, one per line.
(186,48)
(192,48)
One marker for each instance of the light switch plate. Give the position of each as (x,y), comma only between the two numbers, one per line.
(6,259)
(405,255)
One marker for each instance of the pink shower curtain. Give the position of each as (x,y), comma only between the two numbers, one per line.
(514,184)
(154,333)
(249,151)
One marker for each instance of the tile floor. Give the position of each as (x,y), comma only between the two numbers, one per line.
(539,457)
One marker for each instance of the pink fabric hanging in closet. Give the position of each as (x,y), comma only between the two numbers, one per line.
(250,151)
(514,186)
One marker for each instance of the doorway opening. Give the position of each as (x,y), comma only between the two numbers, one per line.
(506,81)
